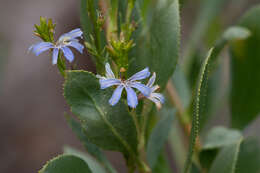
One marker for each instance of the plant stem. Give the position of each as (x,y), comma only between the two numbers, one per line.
(142,165)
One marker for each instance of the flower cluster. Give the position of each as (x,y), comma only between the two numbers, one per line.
(66,40)
(147,90)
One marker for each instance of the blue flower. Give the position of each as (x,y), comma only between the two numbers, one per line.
(66,40)
(157,98)
(133,82)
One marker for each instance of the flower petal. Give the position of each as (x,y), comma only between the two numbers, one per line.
(145,90)
(151,80)
(154,88)
(109,72)
(105,83)
(55,54)
(68,54)
(140,75)
(158,97)
(156,101)
(38,48)
(131,97)
(71,35)
(116,95)
(77,46)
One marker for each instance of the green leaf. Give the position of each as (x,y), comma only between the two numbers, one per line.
(162,165)
(217,138)
(94,166)
(91,148)
(88,17)
(207,13)
(245,73)
(176,144)
(202,86)
(221,136)
(66,164)
(158,39)
(45,30)
(159,136)
(108,127)
(200,99)
(249,157)
(226,160)
(182,87)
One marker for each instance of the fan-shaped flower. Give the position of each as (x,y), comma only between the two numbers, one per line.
(157,98)
(133,82)
(66,40)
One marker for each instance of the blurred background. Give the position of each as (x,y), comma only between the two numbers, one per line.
(32,124)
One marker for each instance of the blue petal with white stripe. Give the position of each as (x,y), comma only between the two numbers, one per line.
(64,41)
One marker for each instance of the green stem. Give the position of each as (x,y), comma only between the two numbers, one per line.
(61,65)
(142,165)
(130,6)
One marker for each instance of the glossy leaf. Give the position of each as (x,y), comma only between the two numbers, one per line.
(109,127)
(159,136)
(91,148)
(66,164)
(94,166)
(245,73)
(226,160)
(158,39)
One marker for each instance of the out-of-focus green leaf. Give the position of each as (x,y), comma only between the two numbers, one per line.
(92,149)
(221,136)
(159,136)
(94,166)
(162,165)
(200,98)
(108,127)
(245,73)
(208,12)
(226,160)
(158,39)
(216,139)
(66,164)
(182,87)
(249,157)
(176,144)
(212,95)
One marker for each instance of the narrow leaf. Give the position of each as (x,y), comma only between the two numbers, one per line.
(197,109)
(232,34)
